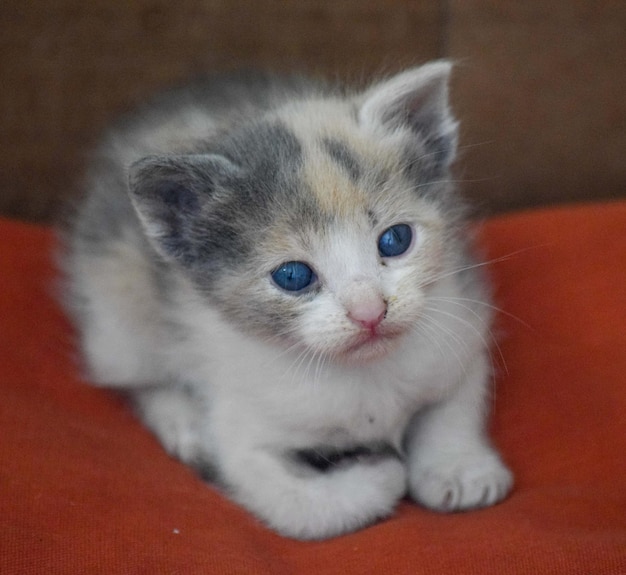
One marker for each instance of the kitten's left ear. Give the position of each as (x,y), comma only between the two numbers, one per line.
(172,195)
(418,100)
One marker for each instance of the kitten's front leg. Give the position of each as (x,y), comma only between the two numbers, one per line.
(451,464)
(174,414)
(301,499)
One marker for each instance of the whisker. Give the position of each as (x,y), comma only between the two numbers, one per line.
(482,303)
(476,144)
(448,335)
(450,181)
(319,369)
(477,265)
(475,330)
(456,339)
(494,340)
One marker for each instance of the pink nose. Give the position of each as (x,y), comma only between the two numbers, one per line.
(368,315)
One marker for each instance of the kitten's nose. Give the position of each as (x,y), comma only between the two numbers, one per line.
(369,313)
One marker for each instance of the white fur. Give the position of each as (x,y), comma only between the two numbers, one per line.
(122,325)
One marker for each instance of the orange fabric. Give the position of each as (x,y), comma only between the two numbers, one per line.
(84,488)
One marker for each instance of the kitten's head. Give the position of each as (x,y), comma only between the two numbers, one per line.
(321,224)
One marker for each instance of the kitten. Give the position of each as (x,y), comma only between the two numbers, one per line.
(278,273)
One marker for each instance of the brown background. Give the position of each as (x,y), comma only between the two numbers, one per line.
(540,86)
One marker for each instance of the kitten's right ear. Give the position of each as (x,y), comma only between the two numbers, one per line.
(170,195)
(416,99)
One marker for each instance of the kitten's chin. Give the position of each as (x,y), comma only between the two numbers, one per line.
(367,349)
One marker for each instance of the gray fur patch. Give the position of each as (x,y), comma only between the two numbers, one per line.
(211,213)
(264,150)
(266,192)
(271,188)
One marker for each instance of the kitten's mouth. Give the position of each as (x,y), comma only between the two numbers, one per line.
(370,345)
(368,339)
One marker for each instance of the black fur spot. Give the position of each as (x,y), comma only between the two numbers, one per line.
(324,458)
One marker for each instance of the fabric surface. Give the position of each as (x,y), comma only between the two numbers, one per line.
(84,488)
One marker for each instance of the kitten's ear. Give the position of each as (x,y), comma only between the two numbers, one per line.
(170,194)
(418,100)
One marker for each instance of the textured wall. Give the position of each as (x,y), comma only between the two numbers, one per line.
(541,91)
(539,86)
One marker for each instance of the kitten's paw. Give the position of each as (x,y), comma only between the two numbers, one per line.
(323,504)
(468,482)
(173,416)
(346,500)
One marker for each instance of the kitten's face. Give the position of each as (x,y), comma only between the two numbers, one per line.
(348,280)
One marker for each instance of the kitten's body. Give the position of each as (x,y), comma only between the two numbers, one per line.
(315,408)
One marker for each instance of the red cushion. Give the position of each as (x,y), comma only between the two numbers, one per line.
(84,488)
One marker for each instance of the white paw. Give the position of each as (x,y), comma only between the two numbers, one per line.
(467,482)
(180,439)
(173,415)
(323,505)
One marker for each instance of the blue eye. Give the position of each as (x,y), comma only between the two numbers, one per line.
(395,240)
(293,276)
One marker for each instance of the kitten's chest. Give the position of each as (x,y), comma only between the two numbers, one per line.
(279,399)
(336,406)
